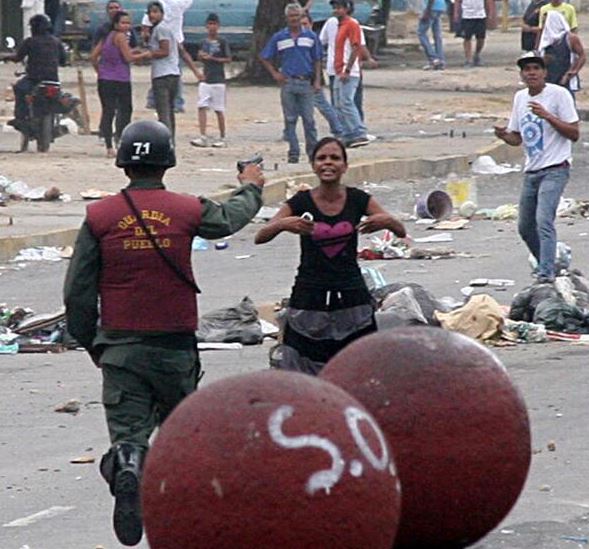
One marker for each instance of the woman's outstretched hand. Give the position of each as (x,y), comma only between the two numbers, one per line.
(297,225)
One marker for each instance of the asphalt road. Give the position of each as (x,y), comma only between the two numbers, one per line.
(48,503)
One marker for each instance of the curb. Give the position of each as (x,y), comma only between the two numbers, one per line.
(275,191)
(11,245)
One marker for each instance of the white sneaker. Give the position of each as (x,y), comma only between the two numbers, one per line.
(371,137)
(201,141)
(219,143)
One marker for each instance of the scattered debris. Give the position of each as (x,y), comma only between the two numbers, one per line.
(18,190)
(82,460)
(450,225)
(486,165)
(481,318)
(442,237)
(199,244)
(44,253)
(551,446)
(500,282)
(95,194)
(237,324)
(70,407)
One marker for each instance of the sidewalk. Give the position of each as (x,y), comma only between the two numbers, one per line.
(428,124)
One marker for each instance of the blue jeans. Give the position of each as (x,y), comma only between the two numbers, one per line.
(537,210)
(358,98)
(435,52)
(328,112)
(296,97)
(343,93)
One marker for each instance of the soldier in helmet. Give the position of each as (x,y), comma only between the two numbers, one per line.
(133,254)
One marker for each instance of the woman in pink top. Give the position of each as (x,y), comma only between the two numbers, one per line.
(111,58)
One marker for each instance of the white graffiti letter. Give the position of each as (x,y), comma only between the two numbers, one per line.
(321,480)
(353,416)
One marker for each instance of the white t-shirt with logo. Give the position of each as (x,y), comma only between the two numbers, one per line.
(327,37)
(473,9)
(543,145)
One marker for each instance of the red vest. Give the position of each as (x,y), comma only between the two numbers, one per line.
(138,290)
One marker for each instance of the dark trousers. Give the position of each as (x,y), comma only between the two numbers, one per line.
(22,88)
(116,100)
(142,385)
(165,89)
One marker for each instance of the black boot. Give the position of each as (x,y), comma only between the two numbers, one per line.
(121,467)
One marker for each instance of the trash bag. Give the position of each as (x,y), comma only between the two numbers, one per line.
(557,315)
(525,302)
(481,318)
(238,324)
(427,301)
(400,309)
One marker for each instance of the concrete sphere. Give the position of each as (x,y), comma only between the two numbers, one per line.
(270,460)
(458,428)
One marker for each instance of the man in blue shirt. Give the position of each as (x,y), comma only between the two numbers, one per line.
(298,52)
(431,18)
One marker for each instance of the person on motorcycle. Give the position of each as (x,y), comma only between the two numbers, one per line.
(44,53)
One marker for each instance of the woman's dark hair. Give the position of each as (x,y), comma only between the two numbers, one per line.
(117,17)
(325,141)
(155,4)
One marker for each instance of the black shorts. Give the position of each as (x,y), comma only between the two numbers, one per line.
(474,27)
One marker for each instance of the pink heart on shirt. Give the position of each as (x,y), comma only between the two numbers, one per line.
(332,239)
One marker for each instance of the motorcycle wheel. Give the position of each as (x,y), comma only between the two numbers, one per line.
(45,133)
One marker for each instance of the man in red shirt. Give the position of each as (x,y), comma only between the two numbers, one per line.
(347,69)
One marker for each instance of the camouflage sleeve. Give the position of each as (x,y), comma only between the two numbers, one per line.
(81,288)
(222,219)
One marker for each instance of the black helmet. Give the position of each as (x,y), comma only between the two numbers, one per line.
(40,23)
(146,143)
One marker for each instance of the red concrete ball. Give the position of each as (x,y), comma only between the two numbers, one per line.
(270,460)
(458,428)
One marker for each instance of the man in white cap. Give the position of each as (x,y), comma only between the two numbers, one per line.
(545,120)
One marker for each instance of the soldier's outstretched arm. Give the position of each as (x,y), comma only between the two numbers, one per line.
(223,219)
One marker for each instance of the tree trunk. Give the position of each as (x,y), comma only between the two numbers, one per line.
(269,19)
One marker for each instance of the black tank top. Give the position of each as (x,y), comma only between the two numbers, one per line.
(328,256)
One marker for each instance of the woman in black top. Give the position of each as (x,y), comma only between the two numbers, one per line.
(330,305)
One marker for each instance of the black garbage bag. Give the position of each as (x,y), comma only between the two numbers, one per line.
(525,302)
(238,324)
(557,315)
(427,301)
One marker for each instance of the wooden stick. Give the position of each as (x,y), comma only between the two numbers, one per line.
(85,130)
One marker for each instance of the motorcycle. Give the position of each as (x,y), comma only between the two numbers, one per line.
(47,105)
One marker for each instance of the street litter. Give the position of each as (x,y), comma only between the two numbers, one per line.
(500,282)
(239,323)
(95,194)
(373,278)
(570,207)
(451,225)
(70,407)
(199,244)
(436,205)
(486,165)
(18,190)
(82,460)
(246,256)
(524,332)
(481,318)
(30,333)
(442,237)
(43,253)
